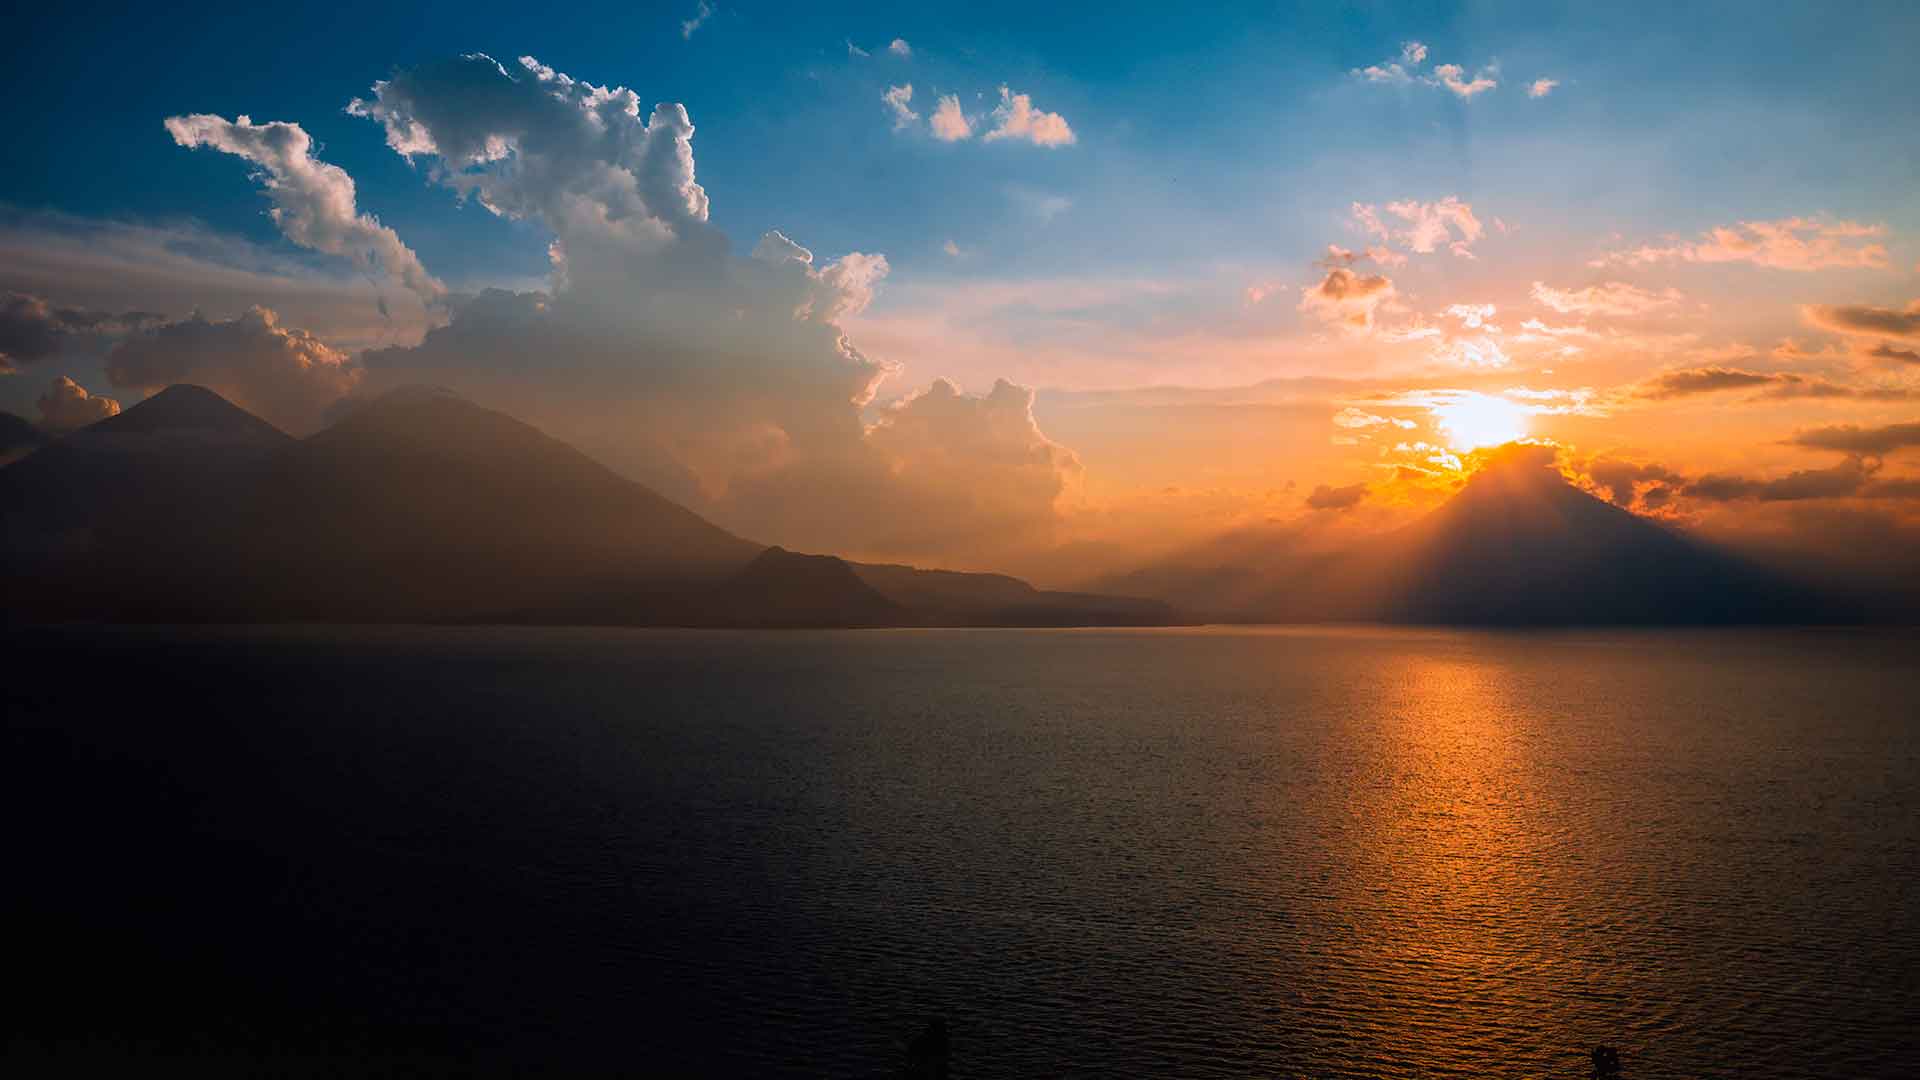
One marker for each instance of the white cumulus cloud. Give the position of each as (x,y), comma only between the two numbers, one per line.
(949,123)
(1016,118)
(313,201)
(897,100)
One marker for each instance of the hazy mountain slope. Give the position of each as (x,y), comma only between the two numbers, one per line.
(128,517)
(136,469)
(785,588)
(954,598)
(18,437)
(428,506)
(421,506)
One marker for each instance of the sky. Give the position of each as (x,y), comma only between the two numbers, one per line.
(975,286)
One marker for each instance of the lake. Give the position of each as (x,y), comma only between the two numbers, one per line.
(1209,852)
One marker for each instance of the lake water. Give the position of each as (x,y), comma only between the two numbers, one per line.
(1209,852)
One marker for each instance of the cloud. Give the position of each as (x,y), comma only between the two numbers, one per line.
(945,476)
(1801,244)
(1016,118)
(1473,316)
(660,350)
(1336,498)
(701,13)
(1412,55)
(287,376)
(988,447)
(1865,319)
(1776,385)
(1478,351)
(1540,88)
(1788,386)
(1655,487)
(1847,478)
(896,98)
(617,190)
(1622,481)
(1607,298)
(1535,330)
(1361,420)
(949,124)
(134,271)
(66,405)
(1884,351)
(1392,74)
(1452,77)
(1339,256)
(1403,72)
(1850,439)
(1428,224)
(313,202)
(900,48)
(31,329)
(1347,299)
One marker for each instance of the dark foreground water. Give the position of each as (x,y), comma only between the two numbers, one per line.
(1099,853)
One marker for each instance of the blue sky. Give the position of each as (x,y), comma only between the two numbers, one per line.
(1217,134)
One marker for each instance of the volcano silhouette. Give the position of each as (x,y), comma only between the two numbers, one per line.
(1521,545)
(1517,545)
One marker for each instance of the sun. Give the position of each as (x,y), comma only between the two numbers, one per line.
(1472,421)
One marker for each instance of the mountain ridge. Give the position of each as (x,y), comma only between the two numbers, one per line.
(414,507)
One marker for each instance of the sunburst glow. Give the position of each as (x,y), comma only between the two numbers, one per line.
(1473,421)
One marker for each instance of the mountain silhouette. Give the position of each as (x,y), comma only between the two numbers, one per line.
(121,515)
(1517,545)
(1521,545)
(18,437)
(951,598)
(418,506)
(458,511)
(189,412)
(784,588)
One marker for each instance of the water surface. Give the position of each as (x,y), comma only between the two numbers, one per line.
(1212,852)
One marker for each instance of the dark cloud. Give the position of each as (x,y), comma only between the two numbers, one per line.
(1905,487)
(1622,479)
(1650,487)
(66,405)
(29,332)
(1884,351)
(1346,298)
(1774,385)
(1788,387)
(32,330)
(1847,478)
(1705,380)
(1866,319)
(1337,498)
(1853,439)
